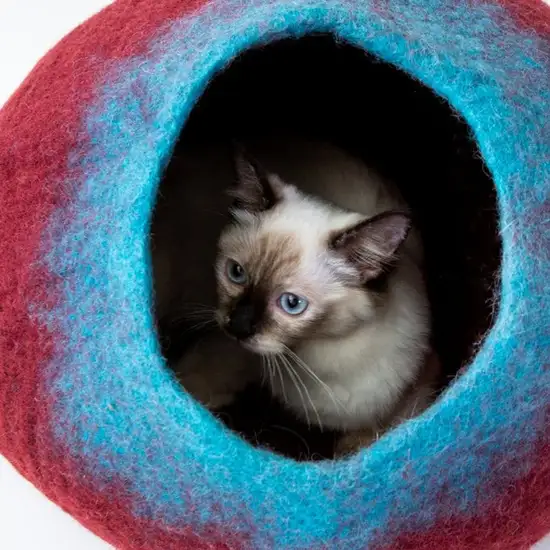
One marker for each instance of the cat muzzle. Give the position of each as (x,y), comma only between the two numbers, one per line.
(242,322)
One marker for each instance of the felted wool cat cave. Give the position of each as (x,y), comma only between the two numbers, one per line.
(90,414)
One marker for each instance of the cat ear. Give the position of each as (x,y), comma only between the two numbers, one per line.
(254,190)
(372,245)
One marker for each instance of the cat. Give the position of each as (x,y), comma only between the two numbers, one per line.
(190,213)
(320,274)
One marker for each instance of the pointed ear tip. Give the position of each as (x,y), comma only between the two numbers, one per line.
(400,214)
(239,155)
(395,225)
(401,219)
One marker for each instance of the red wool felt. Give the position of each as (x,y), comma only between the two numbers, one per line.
(36,159)
(532,15)
(123,529)
(32,169)
(517,521)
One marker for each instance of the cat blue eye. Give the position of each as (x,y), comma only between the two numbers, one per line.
(236,273)
(292,304)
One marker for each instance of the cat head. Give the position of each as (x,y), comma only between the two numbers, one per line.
(292,267)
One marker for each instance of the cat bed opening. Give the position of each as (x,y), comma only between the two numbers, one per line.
(89,411)
(403,130)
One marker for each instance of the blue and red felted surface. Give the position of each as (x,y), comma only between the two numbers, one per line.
(88,412)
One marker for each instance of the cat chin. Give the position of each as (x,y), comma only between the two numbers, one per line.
(261,346)
(256,344)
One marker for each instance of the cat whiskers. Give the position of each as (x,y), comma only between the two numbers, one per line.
(202,324)
(306,391)
(278,370)
(203,314)
(265,369)
(274,368)
(281,362)
(298,361)
(193,309)
(268,367)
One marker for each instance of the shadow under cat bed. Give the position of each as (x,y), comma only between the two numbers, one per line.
(318,88)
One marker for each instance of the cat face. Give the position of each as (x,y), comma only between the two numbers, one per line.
(292,267)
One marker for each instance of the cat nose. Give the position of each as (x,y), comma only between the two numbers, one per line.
(242,323)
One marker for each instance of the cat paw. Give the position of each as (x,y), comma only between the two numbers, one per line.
(353,442)
(219,401)
(198,387)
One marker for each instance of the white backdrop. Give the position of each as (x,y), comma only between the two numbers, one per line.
(28,29)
